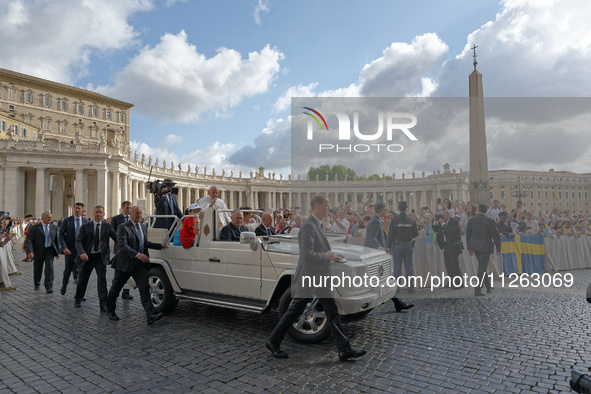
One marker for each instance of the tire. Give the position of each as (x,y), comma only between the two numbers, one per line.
(311,326)
(161,293)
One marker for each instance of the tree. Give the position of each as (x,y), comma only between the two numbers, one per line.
(324,170)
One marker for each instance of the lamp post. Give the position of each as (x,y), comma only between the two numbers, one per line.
(519,191)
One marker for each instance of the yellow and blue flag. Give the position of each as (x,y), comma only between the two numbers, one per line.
(432,239)
(523,254)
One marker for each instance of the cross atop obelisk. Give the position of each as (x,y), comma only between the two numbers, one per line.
(479,189)
(474,49)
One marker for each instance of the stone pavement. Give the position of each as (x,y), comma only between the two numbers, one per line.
(508,341)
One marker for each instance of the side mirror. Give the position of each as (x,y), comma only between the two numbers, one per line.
(248,237)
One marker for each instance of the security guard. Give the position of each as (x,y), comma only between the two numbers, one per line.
(402,230)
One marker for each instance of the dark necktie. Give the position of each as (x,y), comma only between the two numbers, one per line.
(126,218)
(96,237)
(140,237)
(77,225)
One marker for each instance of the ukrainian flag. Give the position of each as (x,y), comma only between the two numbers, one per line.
(432,239)
(523,254)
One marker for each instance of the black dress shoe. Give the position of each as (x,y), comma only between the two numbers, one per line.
(400,305)
(104,308)
(83,299)
(36,287)
(126,296)
(351,353)
(154,317)
(275,350)
(63,290)
(113,316)
(489,290)
(49,291)
(77,304)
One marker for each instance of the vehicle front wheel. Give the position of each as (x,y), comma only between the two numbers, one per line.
(311,326)
(161,293)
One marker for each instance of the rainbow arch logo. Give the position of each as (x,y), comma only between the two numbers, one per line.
(315,118)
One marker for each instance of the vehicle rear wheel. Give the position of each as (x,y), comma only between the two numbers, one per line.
(161,292)
(311,326)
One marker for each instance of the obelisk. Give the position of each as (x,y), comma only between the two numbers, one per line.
(479,180)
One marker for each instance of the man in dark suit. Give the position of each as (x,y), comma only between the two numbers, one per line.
(42,246)
(375,237)
(68,231)
(482,236)
(133,260)
(315,258)
(450,240)
(115,222)
(166,204)
(232,230)
(92,245)
(266,227)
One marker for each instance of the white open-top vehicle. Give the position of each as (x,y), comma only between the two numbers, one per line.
(255,274)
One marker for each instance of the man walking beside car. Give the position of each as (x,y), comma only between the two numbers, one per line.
(133,260)
(115,222)
(315,257)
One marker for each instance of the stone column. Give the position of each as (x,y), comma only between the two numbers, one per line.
(240,198)
(180,200)
(134,192)
(10,197)
(57,206)
(289,201)
(124,188)
(79,189)
(116,194)
(40,191)
(231,200)
(101,193)
(3,187)
(355,201)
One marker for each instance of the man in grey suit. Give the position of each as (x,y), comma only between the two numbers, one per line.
(315,258)
(482,236)
(133,260)
(92,246)
(375,237)
(42,246)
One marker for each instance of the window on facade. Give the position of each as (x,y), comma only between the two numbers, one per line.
(63,127)
(94,112)
(2,125)
(28,98)
(17,130)
(93,133)
(46,102)
(502,194)
(11,94)
(579,194)
(45,124)
(573,194)
(25,133)
(34,136)
(28,119)
(121,117)
(559,194)
(79,108)
(539,194)
(531,194)
(108,115)
(63,105)
(546,194)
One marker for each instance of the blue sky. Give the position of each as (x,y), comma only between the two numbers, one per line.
(211,80)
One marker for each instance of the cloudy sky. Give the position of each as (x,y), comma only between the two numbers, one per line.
(212,81)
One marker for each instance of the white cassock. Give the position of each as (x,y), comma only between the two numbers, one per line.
(219,203)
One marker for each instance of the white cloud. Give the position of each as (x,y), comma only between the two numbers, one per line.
(262,6)
(171,139)
(532,48)
(170,3)
(284,101)
(51,33)
(173,82)
(213,156)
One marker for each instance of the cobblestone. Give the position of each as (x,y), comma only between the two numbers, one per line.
(508,341)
